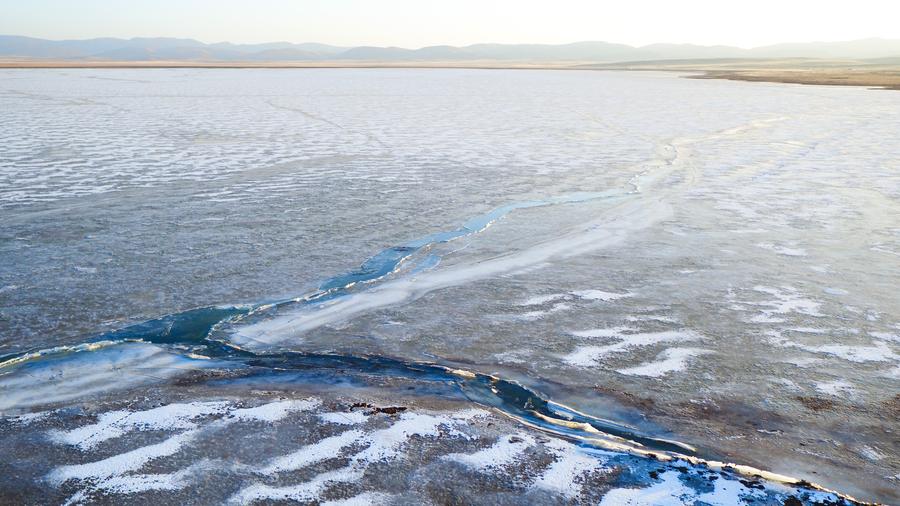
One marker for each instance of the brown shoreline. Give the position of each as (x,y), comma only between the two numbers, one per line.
(792,71)
(879,80)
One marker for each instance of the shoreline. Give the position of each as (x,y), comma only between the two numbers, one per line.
(786,72)
(874,80)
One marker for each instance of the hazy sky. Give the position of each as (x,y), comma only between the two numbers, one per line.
(416,23)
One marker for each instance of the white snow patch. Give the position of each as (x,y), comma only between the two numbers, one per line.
(121,463)
(536,315)
(570,464)
(808,330)
(136,483)
(600,295)
(788,300)
(504,452)
(652,318)
(114,424)
(887,336)
(782,250)
(607,332)
(28,418)
(111,474)
(835,388)
(364,499)
(469,414)
(670,491)
(383,445)
(670,360)
(803,361)
(764,318)
(324,449)
(586,356)
(344,418)
(871,453)
(274,411)
(176,416)
(880,352)
(729,492)
(306,492)
(540,300)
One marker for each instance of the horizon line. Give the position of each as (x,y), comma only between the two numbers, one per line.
(584,41)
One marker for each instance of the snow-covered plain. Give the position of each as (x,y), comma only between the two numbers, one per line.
(714,262)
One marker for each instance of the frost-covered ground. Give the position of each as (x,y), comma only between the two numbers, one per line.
(282,446)
(707,261)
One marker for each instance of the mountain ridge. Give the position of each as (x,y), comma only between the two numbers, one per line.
(185,49)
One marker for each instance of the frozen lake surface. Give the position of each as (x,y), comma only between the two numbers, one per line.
(471,286)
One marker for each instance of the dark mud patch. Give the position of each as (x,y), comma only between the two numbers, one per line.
(627,398)
(737,415)
(892,406)
(372,409)
(816,403)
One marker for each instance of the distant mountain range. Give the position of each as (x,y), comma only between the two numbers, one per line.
(172,49)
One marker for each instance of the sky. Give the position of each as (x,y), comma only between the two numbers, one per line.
(418,23)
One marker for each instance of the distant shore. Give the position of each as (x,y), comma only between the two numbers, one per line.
(794,71)
(884,75)
(872,79)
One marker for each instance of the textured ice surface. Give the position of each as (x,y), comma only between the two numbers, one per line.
(451,454)
(731,282)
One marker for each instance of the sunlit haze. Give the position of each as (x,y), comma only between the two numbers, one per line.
(412,23)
